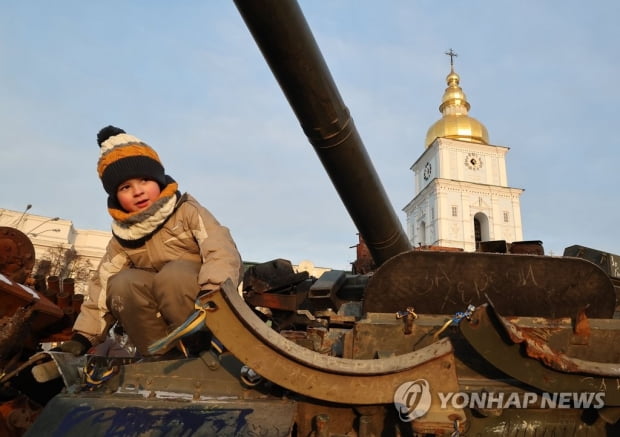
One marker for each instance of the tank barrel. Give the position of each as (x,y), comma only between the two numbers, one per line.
(287,44)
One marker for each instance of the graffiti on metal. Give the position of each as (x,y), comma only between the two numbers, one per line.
(135,421)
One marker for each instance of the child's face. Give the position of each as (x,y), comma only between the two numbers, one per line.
(137,194)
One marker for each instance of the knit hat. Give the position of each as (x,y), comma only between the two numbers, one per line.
(125,157)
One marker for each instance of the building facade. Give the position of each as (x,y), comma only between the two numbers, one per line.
(60,249)
(64,251)
(461,194)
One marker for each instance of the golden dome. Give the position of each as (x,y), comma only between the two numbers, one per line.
(455,123)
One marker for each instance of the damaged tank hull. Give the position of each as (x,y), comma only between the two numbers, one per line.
(428,343)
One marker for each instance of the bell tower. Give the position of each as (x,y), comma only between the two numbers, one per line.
(461,194)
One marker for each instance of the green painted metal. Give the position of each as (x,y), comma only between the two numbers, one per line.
(488,337)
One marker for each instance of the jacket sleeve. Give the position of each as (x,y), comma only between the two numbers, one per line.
(94,315)
(220,258)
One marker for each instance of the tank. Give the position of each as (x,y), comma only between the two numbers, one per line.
(412,342)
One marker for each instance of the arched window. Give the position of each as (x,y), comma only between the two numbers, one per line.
(422,235)
(481,228)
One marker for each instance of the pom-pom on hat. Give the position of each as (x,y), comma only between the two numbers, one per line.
(124,157)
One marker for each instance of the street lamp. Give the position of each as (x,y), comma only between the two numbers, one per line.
(42,232)
(16,225)
(30,232)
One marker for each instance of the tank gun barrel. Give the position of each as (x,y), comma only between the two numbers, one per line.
(287,44)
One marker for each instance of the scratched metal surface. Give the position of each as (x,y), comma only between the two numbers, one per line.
(489,340)
(113,415)
(518,285)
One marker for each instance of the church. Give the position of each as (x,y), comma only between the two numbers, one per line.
(461,195)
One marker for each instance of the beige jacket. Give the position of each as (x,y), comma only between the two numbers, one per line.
(192,233)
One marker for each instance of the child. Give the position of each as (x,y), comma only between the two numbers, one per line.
(166,249)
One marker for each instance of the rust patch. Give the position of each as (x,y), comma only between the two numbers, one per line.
(536,347)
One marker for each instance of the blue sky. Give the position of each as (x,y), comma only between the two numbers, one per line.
(187,78)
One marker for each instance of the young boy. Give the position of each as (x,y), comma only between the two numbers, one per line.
(166,249)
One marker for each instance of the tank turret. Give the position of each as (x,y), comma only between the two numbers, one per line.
(439,342)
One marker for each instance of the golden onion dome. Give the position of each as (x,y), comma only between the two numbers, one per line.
(455,123)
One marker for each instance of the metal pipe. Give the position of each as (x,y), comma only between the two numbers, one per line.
(285,40)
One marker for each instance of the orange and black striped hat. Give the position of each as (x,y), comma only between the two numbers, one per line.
(124,157)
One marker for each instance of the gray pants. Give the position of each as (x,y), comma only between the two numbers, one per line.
(149,305)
